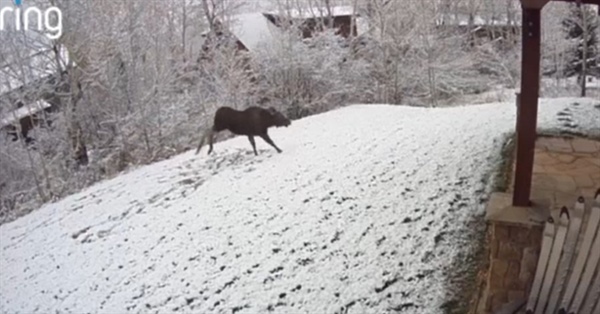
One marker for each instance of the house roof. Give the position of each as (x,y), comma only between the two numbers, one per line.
(315,12)
(27,110)
(253,30)
(461,19)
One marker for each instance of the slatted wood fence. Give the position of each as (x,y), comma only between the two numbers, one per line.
(567,279)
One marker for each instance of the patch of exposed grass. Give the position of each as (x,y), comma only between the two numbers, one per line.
(466,283)
(470,268)
(503,174)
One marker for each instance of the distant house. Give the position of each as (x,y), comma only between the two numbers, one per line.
(28,106)
(481,27)
(592,82)
(251,30)
(18,123)
(30,89)
(312,20)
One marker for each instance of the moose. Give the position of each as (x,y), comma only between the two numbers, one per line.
(253,121)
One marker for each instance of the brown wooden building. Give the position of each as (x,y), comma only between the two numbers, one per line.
(249,30)
(18,123)
(311,21)
(29,105)
(481,29)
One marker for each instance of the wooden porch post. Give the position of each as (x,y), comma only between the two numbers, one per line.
(527,105)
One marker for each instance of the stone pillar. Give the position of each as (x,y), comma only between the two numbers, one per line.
(515,239)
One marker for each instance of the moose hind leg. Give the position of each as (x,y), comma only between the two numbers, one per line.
(270,142)
(210,135)
(251,139)
(203,139)
(201,142)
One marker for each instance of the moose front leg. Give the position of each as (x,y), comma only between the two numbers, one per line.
(251,139)
(270,141)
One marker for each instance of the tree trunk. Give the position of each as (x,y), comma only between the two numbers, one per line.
(583,75)
(183,32)
(78,147)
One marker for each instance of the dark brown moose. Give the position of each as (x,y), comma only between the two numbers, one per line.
(253,121)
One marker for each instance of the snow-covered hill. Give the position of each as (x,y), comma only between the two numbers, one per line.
(363,212)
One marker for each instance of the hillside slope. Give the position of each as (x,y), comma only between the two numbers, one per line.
(363,212)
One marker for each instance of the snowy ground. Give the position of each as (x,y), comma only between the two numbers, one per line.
(363,212)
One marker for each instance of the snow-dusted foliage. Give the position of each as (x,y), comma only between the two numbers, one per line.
(312,75)
(581,26)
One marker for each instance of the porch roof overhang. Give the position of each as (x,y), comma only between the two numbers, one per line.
(527,99)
